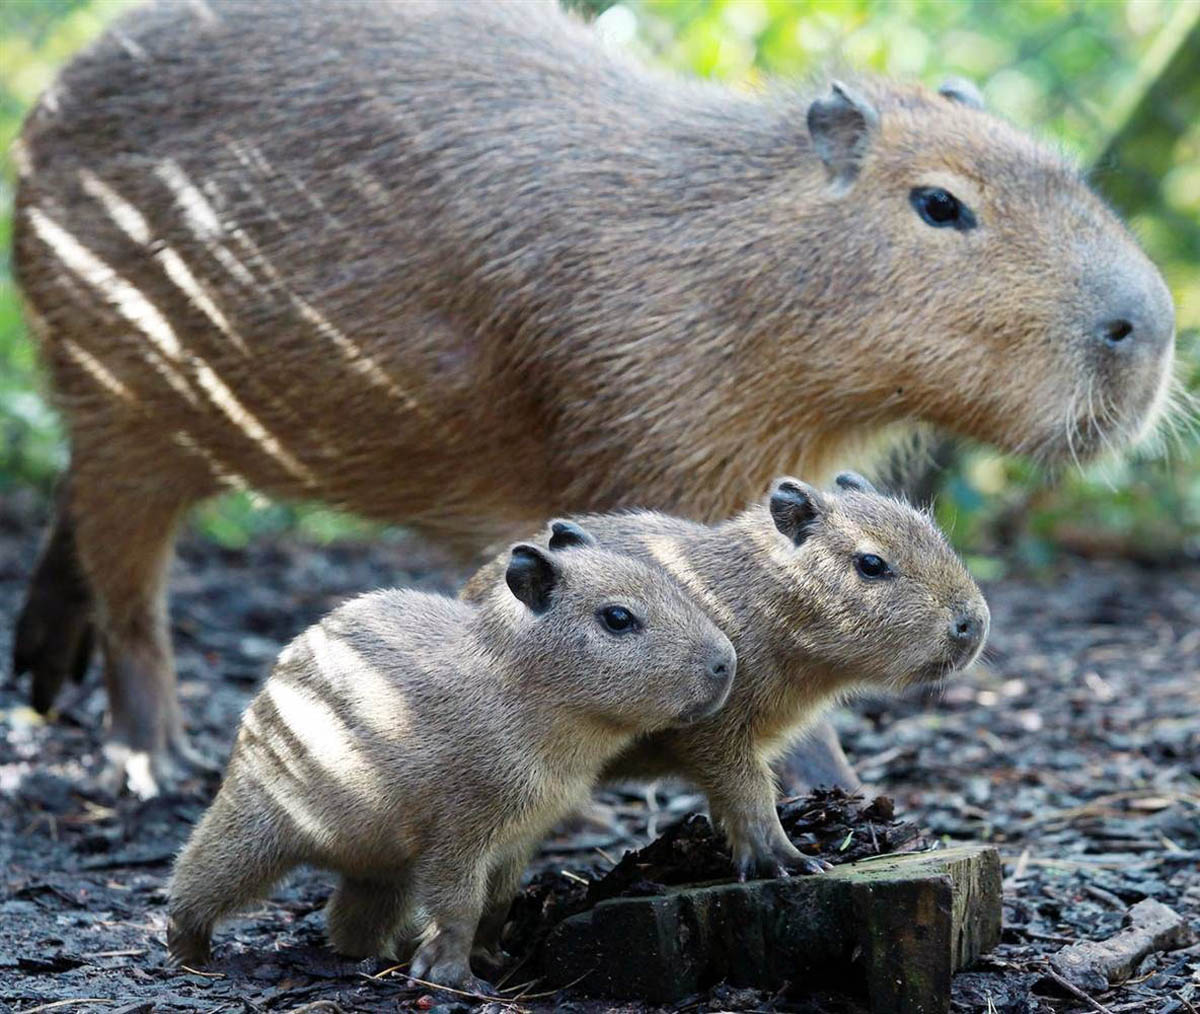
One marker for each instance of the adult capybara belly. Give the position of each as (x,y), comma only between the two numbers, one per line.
(461,266)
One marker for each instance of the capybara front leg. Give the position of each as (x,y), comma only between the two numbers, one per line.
(124,540)
(454,898)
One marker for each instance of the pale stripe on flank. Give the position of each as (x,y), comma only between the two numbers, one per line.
(199,215)
(125,298)
(241,417)
(134,225)
(131,304)
(97,371)
(223,475)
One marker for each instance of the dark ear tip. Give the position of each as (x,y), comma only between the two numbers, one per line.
(523,552)
(962,91)
(566,533)
(853,481)
(788,489)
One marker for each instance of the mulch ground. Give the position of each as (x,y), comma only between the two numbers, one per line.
(1075,749)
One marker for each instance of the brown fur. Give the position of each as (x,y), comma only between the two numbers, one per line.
(807,627)
(421,747)
(433,256)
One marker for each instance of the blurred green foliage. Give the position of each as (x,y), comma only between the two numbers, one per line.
(1115,83)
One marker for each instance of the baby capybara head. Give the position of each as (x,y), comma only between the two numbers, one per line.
(877,591)
(1026,315)
(617,640)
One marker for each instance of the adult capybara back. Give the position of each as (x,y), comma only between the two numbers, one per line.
(458,266)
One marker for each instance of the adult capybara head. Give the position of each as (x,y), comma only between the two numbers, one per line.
(879,592)
(613,637)
(996,294)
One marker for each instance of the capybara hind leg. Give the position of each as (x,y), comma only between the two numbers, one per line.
(54,634)
(232,859)
(366,918)
(124,539)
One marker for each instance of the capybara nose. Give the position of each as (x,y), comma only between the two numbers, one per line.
(722,663)
(1139,317)
(967,630)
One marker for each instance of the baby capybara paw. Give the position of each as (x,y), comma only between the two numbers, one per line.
(188,947)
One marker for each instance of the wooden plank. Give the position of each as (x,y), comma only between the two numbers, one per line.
(895,928)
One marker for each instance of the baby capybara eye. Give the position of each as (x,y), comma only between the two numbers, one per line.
(942,209)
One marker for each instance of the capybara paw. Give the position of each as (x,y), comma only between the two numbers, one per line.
(187,948)
(769,863)
(137,772)
(149,773)
(809,865)
(452,972)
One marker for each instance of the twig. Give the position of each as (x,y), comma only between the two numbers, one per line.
(386,971)
(1070,987)
(515,968)
(445,989)
(1100,894)
(575,876)
(561,989)
(512,1004)
(132,953)
(518,990)
(66,1003)
(203,975)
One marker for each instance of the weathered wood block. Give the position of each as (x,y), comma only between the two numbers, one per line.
(896,927)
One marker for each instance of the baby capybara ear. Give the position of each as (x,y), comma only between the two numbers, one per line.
(566,534)
(853,482)
(532,576)
(795,508)
(962,91)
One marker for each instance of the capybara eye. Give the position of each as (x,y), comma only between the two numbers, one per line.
(618,620)
(871,566)
(941,209)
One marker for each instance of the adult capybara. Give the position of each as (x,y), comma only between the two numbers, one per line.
(459,266)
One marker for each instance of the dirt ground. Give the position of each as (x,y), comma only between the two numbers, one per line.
(1075,749)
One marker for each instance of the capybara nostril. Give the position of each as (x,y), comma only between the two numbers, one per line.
(966,632)
(1116,331)
(722,663)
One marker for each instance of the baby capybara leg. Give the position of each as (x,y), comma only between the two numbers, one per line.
(453,897)
(124,532)
(233,858)
(54,634)
(365,918)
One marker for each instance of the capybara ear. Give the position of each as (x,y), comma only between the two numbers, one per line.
(962,91)
(532,576)
(853,482)
(795,508)
(841,125)
(566,534)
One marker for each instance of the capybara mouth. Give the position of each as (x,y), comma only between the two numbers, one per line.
(703,711)
(936,671)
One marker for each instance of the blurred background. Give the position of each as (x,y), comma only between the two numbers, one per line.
(1117,84)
